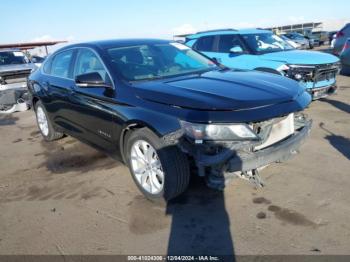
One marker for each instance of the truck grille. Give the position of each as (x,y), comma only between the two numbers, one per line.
(326,72)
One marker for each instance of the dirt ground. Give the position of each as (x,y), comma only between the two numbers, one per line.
(66,198)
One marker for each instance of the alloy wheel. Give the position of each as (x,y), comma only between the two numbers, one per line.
(146,167)
(42,121)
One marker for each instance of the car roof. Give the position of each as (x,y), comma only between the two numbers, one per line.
(105,44)
(228,32)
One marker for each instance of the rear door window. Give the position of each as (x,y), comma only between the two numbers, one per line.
(205,44)
(61,63)
(226,42)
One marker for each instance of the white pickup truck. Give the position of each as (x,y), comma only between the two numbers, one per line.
(15,67)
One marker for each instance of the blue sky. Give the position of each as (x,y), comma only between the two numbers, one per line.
(78,20)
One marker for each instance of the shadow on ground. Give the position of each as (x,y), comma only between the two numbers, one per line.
(338,104)
(341,143)
(199,223)
(8,120)
(60,158)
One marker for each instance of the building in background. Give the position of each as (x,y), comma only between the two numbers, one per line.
(302,28)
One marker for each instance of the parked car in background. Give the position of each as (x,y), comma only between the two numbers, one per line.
(291,42)
(345,57)
(37,60)
(261,50)
(300,39)
(15,68)
(321,36)
(315,41)
(340,39)
(165,109)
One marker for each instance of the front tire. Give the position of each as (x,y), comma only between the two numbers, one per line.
(44,124)
(160,171)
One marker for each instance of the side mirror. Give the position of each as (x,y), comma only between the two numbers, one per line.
(93,79)
(236,50)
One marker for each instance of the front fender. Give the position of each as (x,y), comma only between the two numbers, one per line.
(133,117)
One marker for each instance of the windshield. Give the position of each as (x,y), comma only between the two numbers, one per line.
(152,61)
(13,58)
(266,43)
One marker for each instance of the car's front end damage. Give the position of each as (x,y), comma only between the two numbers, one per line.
(220,160)
(318,80)
(231,123)
(15,69)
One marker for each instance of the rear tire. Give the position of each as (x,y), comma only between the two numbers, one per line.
(44,124)
(173,164)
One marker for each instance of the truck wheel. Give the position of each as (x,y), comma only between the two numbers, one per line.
(160,171)
(44,124)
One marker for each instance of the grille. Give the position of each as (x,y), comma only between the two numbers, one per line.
(326,72)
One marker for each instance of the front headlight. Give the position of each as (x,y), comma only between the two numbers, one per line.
(218,132)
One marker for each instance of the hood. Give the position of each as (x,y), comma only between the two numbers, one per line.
(301,57)
(221,90)
(7,69)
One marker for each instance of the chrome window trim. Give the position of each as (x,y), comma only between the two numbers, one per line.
(77,48)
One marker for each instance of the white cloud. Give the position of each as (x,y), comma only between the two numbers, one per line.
(184,29)
(296,19)
(43,38)
(244,25)
(48,38)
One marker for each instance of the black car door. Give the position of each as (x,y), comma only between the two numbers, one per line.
(91,106)
(57,85)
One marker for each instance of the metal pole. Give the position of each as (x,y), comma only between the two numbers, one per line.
(47,53)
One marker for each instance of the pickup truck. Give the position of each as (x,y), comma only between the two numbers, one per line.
(15,67)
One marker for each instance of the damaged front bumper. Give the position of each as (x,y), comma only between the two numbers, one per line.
(218,161)
(277,152)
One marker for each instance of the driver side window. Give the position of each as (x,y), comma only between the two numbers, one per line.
(88,62)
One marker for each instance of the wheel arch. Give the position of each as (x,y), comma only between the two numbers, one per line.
(35,100)
(128,128)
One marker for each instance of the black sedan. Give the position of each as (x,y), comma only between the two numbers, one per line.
(165,109)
